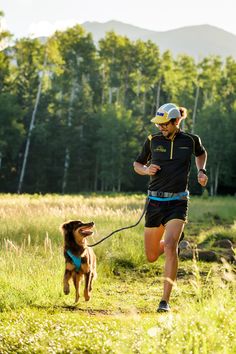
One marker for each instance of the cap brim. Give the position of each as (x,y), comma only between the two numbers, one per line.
(160,120)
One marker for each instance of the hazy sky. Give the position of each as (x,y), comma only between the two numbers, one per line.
(42,17)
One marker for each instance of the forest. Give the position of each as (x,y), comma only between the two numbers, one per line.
(74,114)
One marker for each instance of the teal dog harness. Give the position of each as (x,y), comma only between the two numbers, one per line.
(75,260)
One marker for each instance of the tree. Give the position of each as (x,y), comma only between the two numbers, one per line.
(79,69)
(115,148)
(11,130)
(116,53)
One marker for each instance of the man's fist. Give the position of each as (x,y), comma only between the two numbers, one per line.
(202,179)
(152,169)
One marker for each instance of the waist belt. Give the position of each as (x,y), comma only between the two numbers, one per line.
(167,196)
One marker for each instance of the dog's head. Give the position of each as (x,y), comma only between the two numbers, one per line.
(76,231)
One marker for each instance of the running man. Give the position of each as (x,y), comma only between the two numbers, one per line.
(166,158)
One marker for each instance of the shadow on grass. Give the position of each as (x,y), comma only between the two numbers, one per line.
(132,311)
(72,308)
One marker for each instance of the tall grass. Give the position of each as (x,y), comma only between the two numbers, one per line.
(36,317)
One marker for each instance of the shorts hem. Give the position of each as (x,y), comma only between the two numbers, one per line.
(152,226)
(181,219)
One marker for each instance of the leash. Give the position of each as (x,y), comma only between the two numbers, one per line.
(174,196)
(123,228)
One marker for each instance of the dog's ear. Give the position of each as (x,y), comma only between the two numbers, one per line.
(66,227)
(69,226)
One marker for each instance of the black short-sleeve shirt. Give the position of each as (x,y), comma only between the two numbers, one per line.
(174,158)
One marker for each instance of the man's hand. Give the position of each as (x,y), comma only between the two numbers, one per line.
(152,169)
(144,170)
(202,179)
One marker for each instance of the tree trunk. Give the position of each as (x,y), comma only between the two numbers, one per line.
(158,94)
(211,182)
(144,103)
(103,84)
(119,184)
(67,151)
(95,184)
(216,178)
(110,95)
(22,174)
(195,109)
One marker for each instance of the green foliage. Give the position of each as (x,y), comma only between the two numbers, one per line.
(220,152)
(85,82)
(115,147)
(11,128)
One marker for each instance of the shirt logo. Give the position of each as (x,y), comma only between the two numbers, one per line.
(160,148)
(184,147)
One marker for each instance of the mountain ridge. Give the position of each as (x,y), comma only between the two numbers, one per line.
(197,41)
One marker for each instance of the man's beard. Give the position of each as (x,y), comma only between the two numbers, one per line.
(167,134)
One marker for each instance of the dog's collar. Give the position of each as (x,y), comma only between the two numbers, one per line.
(75,260)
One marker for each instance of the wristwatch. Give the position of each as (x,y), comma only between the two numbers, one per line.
(202,170)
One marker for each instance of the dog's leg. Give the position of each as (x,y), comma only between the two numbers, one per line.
(89,277)
(67,276)
(77,277)
(76,284)
(88,286)
(93,274)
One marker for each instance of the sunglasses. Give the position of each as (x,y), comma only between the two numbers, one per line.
(163,125)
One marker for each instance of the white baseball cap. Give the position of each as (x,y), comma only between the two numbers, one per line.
(165,113)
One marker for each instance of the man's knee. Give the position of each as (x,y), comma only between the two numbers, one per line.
(152,257)
(170,247)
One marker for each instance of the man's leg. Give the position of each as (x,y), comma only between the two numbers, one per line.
(173,230)
(154,245)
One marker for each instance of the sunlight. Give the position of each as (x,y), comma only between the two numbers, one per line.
(46,28)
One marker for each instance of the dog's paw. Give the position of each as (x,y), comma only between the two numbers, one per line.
(66,289)
(87,295)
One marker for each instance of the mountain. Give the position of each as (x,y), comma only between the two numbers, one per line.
(196,41)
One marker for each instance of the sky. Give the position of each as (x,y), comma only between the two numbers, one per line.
(34,18)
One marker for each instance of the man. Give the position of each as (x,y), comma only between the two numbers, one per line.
(166,158)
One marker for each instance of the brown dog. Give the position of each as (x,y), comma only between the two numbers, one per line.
(80,259)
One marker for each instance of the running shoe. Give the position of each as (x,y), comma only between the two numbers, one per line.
(163,306)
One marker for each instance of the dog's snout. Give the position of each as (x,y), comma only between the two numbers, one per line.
(88,224)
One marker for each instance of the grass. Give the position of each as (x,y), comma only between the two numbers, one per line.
(36,317)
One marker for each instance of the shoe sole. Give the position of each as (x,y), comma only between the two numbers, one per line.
(162,310)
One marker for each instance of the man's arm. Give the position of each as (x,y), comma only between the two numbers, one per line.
(146,170)
(201,164)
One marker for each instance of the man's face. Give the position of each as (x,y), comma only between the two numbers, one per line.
(167,129)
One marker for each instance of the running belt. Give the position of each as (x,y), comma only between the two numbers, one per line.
(166,196)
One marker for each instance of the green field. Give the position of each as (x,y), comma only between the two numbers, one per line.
(36,316)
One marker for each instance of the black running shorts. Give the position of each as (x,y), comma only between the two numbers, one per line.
(159,213)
